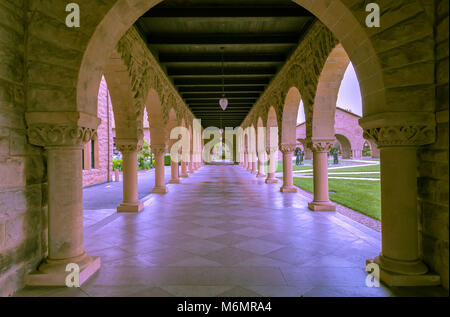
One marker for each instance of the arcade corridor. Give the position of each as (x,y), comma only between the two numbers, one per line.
(223,232)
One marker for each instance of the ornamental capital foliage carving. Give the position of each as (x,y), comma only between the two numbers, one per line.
(286,148)
(128,146)
(49,135)
(146,73)
(320,145)
(271,149)
(409,135)
(158,149)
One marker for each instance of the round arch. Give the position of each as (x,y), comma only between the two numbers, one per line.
(324,108)
(158,128)
(346,147)
(289,118)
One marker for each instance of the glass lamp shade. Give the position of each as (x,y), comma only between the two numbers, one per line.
(223,103)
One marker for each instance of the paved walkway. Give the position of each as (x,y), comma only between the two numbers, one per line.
(223,232)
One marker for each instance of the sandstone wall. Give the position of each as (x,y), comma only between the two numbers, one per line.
(103,167)
(433,166)
(22,166)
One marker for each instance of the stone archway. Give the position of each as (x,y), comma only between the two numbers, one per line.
(373,65)
(346,147)
(158,131)
(288,137)
(272,139)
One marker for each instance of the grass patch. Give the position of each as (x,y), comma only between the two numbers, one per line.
(369,168)
(362,196)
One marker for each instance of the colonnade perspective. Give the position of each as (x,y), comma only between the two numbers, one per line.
(400,121)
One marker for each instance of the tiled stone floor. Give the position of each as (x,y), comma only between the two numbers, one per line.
(223,232)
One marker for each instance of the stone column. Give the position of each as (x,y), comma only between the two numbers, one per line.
(400,259)
(174,172)
(129,149)
(308,154)
(321,200)
(288,182)
(245,160)
(63,142)
(184,172)
(254,169)
(191,163)
(272,154)
(261,165)
(159,150)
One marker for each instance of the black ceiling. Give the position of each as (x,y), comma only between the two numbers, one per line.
(256,37)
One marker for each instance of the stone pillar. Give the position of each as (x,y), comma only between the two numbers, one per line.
(245,160)
(254,168)
(400,259)
(261,165)
(184,172)
(129,149)
(272,154)
(249,161)
(159,150)
(288,182)
(191,163)
(321,200)
(63,142)
(308,154)
(174,173)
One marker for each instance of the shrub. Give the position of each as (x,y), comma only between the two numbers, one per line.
(167,160)
(117,164)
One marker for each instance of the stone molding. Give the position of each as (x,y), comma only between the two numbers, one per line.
(146,73)
(50,135)
(301,70)
(128,146)
(412,135)
(271,149)
(286,148)
(158,149)
(320,145)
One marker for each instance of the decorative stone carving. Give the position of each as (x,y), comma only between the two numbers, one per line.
(60,135)
(158,149)
(413,135)
(286,148)
(146,73)
(301,70)
(271,149)
(126,146)
(320,145)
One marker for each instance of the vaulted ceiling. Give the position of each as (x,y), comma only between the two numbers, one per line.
(253,38)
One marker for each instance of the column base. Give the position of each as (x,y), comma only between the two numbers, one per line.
(259,175)
(160,190)
(397,279)
(288,189)
(321,206)
(174,181)
(53,272)
(184,175)
(271,180)
(130,207)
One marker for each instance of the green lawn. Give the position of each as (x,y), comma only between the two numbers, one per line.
(359,195)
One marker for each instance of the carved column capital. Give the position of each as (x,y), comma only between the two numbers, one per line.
(406,135)
(286,148)
(323,145)
(126,146)
(50,135)
(69,128)
(158,149)
(271,149)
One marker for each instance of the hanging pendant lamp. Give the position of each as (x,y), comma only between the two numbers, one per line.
(223,102)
